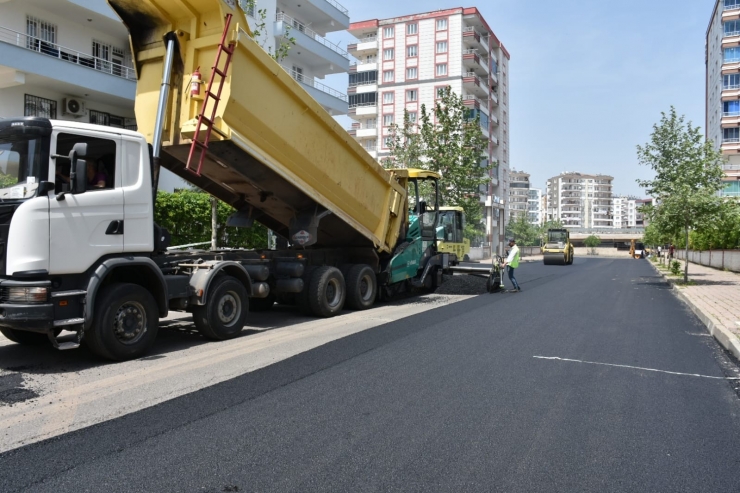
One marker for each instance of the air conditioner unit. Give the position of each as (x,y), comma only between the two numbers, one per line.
(74,107)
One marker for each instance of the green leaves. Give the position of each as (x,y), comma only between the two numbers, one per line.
(592,241)
(187,216)
(448,140)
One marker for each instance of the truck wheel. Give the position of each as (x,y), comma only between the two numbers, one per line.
(224,314)
(362,287)
(466,258)
(27,338)
(326,291)
(125,324)
(262,304)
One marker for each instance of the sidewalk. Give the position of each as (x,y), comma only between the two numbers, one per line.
(713,295)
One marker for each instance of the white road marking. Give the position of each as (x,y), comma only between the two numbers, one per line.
(635,368)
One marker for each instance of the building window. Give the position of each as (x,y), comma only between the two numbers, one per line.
(108,58)
(438,92)
(441,24)
(731,134)
(388,97)
(732,28)
(412,51)
(388,76)
(387,141)
(731,55)
(412,73)
(387,120)
(388,32)
(363,78)
(42,36)
(412,95)
(412,28)
(412,116)
(731,81)
(732,4)
(102,118)
(441,70)
(388,54)
(363,99)
(248,7)
(41,107)
(731,108)
(441,46)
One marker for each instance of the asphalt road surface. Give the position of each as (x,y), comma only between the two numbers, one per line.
(593,378)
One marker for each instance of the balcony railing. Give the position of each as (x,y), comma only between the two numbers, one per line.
(363,126)
(362,105)
(338,6)
(310,81)
(731,167)
(54,50)
(731,140)
(363,83)
(731,113)
(731,6)
(367,61)
(301,27)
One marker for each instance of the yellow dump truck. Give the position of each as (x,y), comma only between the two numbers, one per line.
(92,262)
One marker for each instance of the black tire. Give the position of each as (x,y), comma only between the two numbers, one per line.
(326,292)
(125,323)
(301,299)
(27,338)
(362,287)
(225,312)
(466,258)
(262,304)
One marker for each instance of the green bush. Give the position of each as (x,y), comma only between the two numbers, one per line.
(676,268)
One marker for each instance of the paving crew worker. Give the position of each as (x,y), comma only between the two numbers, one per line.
(511,263)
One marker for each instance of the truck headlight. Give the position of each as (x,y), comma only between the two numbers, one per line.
(27,295)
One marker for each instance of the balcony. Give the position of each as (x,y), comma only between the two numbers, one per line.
(475,84)
(474,62)
(332,100)
(363,109)
(32,55)
(317,52)
(473,38)
(364,130)
(363,47)
(324,15)
(370,63)
(475,102)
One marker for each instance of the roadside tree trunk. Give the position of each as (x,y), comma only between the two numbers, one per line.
(686,265)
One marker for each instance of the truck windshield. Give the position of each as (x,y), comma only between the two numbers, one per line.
(21,162)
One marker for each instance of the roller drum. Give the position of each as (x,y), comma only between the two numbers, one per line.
(554,258)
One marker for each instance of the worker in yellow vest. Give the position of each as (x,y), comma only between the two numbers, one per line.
(511,263)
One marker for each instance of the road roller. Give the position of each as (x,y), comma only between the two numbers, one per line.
(558,250)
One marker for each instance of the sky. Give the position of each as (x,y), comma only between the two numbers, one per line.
(588,79)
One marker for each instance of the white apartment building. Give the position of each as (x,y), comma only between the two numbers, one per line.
(581,201)
(535,210)
(625,212)
(518,194)
(722,60)
(403,63)
(313,57)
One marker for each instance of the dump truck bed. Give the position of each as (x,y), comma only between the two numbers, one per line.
(275,154)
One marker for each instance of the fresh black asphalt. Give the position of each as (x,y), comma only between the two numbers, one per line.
(449,400)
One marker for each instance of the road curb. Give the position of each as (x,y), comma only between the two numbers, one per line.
(726,338)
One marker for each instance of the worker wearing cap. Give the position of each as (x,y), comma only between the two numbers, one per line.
(511,263)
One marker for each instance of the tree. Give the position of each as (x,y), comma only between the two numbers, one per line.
(525,233)
(449,140)
(688,176)
(187,216)
(592,242)
(260,28)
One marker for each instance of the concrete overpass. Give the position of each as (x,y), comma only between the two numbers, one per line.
(609,237)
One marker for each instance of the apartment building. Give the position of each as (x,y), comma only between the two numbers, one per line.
(518,195)
(580,200)
(722,60)
(313,56)
(402,63)
(535,210)
(625,212)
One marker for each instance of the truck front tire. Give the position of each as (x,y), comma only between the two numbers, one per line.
(362,287)
(224,314)
(125,324)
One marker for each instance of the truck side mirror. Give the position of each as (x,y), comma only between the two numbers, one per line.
(78,176)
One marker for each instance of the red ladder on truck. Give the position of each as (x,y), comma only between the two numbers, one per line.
(203,120)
